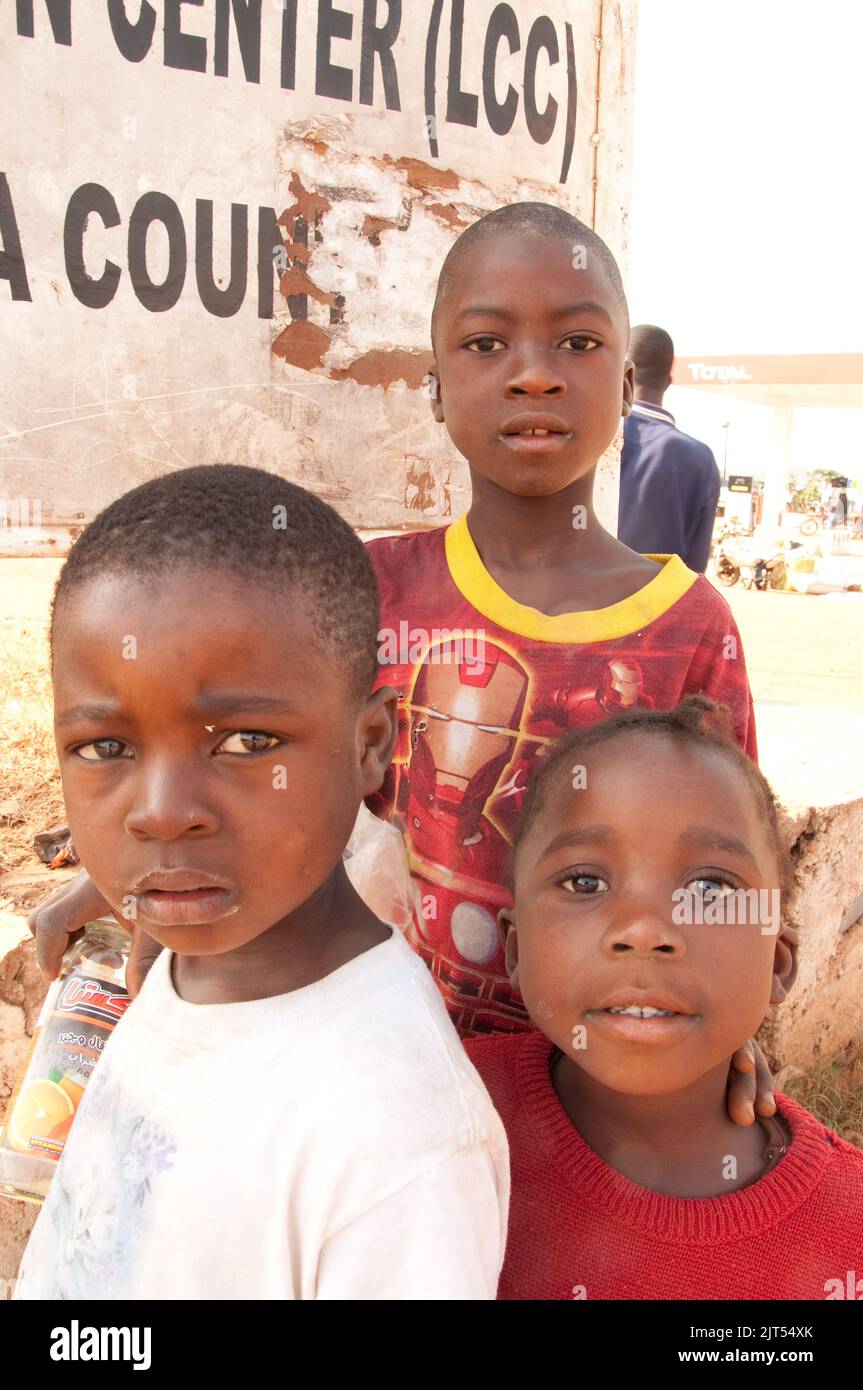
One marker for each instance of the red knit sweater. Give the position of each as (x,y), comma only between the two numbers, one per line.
(578,1228)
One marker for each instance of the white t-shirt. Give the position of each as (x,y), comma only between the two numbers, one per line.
(334,1143)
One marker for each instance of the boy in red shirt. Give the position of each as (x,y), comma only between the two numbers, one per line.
(645,959)
(526,617)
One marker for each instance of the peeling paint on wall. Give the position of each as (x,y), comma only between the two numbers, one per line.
(303,344)
(383,367)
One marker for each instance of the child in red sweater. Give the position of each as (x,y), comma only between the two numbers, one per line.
(647,943)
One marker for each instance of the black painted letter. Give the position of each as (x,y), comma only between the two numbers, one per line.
(12,266)
(461,107)
(289,44)
(247,17)
(59,13)
(157,207)
(380,41)
(502,25)
(331,80)
(187,51)
(133,40)
(270,240)
(89,198)
(542,35)
(221,302)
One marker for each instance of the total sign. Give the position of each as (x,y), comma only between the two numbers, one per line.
(730,372)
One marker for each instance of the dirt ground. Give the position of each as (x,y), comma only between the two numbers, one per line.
(802,649)
(804,656)
(29,781)
(25,588)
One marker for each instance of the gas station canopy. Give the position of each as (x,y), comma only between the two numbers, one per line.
(828,379)
(833,380)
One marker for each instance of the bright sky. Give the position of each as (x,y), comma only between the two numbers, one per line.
(747,212)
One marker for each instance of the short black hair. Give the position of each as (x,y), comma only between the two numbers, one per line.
(542,219)
(697,719)
(254,524)
(652,351)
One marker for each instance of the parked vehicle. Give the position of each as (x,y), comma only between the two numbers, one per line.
(746,559)
(727,569)
(726,535)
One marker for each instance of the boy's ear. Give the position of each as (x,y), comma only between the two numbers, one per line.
(378,729)
(435,397)
(506,922)
(628,386)
(784,963)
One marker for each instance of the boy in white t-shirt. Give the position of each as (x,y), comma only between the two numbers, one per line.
(285,1111)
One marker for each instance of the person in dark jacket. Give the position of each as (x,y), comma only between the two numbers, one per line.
(669,482)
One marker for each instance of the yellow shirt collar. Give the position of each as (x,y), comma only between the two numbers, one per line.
(630,615)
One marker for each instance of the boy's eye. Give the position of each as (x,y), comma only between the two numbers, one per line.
(248,741)
(485,346)
(103,750)
(583,341)
(710,889)
(584,883)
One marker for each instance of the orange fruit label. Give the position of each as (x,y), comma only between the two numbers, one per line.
(80,1012)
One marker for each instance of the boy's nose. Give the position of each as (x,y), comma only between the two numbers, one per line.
(534,374)
(646,931)
(166,806)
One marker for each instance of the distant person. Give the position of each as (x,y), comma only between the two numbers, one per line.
(669,482)
(839,515)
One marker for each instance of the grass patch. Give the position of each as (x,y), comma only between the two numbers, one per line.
(833,1093)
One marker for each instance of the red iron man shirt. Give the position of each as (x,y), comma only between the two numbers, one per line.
(485,684)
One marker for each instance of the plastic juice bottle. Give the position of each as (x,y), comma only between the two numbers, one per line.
(80,1011)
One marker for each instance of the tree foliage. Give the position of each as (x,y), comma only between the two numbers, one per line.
(804,495)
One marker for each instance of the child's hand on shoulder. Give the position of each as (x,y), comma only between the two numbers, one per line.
(750,1085)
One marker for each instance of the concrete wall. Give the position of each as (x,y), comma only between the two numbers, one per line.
(155,171)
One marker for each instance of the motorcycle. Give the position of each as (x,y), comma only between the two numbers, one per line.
(759,570)
(722,551)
